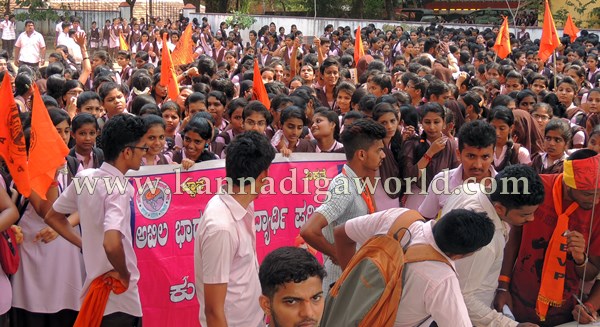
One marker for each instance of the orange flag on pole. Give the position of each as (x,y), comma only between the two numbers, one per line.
(12,139)
(359,50)
(549,41)
(570,28)
(122,43)
(184,50)
(502,45)
(47,150)
(259,92)
(168,77)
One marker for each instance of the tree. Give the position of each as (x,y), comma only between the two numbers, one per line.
(37,10)
(131,3)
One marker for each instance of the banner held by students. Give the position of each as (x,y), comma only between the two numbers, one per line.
(168,209)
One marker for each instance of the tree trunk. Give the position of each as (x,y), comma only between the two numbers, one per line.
(389,8)
(357,8)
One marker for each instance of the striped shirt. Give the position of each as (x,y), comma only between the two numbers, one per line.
(344,204)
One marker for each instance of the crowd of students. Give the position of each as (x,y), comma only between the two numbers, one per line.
(432,105)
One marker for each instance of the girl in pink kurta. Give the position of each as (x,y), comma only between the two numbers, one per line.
(47,287)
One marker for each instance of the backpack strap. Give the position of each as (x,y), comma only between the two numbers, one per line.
(424,252)
(401,224)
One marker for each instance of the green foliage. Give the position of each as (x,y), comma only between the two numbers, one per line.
(243,20)
(581,7)
(37,10)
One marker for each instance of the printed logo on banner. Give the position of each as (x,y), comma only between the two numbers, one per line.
(154,201)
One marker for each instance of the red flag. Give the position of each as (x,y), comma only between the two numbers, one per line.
(184,50)
(47,151)
(502,45)
(549,40)
(12,139)
(359,50)
(168,77)
(258,87)
(570,28)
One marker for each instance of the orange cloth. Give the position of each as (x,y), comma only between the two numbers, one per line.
(502,45)
(47,151)
(359,50)
(94,304)
(366,195)
(12,139)
(258,87)
(122,43)
(168,77)
(184,50)
(549,41)
(555,261)
(570,29)
(581,174)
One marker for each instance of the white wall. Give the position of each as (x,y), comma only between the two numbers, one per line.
(311,27)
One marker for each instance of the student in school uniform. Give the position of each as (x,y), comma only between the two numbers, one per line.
(105,220)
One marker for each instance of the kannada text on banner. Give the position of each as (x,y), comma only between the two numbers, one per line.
(169,205)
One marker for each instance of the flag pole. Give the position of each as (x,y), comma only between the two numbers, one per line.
(555,71)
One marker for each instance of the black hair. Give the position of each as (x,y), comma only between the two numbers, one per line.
(384,81)
(200,126)
(106,87)
(153,120)
(23,83)
(518,186)
(582,154)
(86,96)
(218,95)
(149,109)
(360,136)
(502,113)
(247,156)
(292,112)
(83,118)
(477,133)
(139,102)
(332,117)
(195,97)
(58,116)
(287,265)
(236,104)
(171,105)
(258,107)
(120,131)
(461,232)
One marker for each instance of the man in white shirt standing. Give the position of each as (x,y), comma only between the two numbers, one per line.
(30,48)
(431,290)
(105,218)
(225,261)
(517,194)
(8,34)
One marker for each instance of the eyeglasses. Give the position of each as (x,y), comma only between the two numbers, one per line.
(143,148)
(540,117)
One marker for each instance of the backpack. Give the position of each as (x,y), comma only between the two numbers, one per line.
(369,290)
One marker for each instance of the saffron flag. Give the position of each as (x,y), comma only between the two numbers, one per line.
(12,139)
(184,50)
(122,43)
(502,45)
(259,92)
(359,50)
(570,28)
(168,77)
(549,41)
(47,150)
